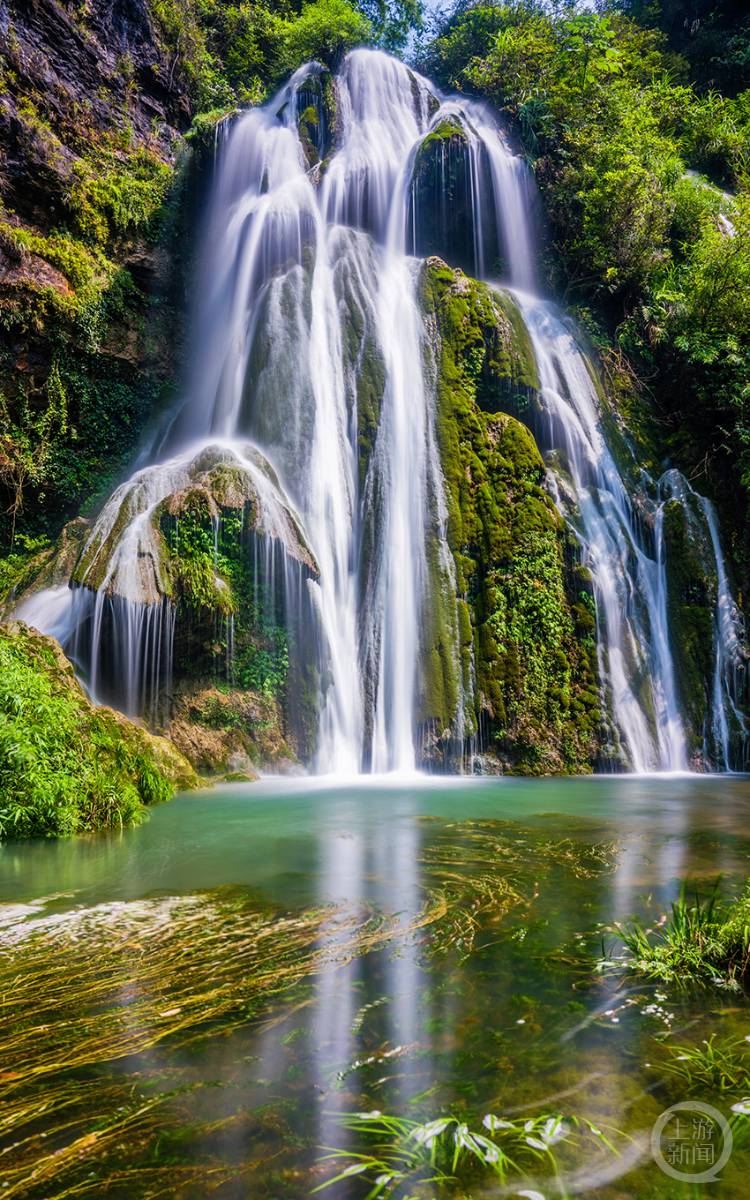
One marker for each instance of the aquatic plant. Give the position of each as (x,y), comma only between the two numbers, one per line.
(482,870)
(85,990)
(705,941)
(401,1154)
(719,1063)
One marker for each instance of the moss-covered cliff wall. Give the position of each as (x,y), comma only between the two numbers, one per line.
(529,659)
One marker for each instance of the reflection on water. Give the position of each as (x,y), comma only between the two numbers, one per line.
(491,1003)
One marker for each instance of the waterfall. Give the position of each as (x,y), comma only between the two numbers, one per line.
(308,387)
(726,729)
(629,575)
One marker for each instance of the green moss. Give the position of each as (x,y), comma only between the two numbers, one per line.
(442,197)
(535,681)
(21,567)
(203,132)
(316,120)
(216,578)
(447,130)
(308,126)
(441,661)
(84,365)
(86,270)
(200,576)
(116,191)
(65,765)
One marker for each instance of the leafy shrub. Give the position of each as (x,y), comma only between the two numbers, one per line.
(65,765)
(324,31)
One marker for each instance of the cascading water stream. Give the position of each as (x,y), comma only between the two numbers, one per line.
(726,726)
(308,282)
(629,582)
(729,660)
(381,122)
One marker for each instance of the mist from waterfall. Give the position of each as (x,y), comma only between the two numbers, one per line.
(307,275)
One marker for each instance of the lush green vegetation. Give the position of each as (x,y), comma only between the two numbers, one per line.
(705,941)
(719,1062)
(713,35)
(65,765)
(234,53)
(210,561)
(657,260)
(85,357)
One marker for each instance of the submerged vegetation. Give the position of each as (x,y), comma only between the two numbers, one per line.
(121,980)
(105,1004)
(169,1045)
(404,1154)
(720,1063)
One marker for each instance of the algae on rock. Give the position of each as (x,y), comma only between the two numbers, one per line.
(317,116)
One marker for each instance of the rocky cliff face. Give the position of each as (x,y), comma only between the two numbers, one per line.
(92,113)
(87,70)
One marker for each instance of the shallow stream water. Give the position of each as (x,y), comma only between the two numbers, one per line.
(189,1006)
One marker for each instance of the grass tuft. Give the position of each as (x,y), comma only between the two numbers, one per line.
(706,941)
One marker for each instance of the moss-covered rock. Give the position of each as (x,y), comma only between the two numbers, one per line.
(66,765)
(38,563)
(450,182)
(147,513)
(526,626)
(317,115)
(225,730)
(208,547)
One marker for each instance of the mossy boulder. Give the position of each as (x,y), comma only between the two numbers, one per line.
(528,655)
(316,111)
(29,569)
(210,544)
(224,730)
(450,181)
(66,765)
(128,554)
